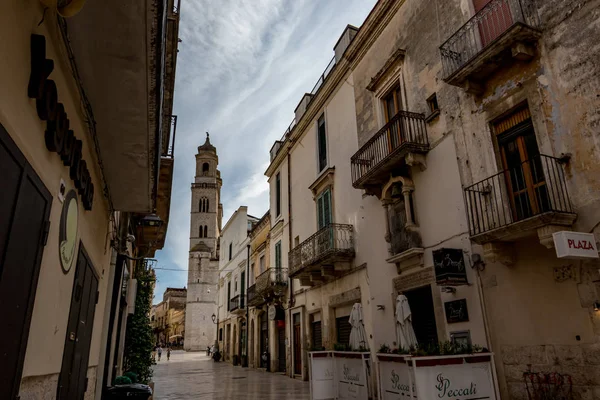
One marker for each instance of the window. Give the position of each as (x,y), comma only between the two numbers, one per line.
(278,255)
(322,143)
(391,103)
(205,169)
(324,216)
(252,274)
(262,264)
(220,334)
(242,288)
(203,205)
(228,295)
(201,232)
(230,250)
(278,194)
(432,103)
(205,231)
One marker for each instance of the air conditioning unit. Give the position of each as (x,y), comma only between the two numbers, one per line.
(66,8)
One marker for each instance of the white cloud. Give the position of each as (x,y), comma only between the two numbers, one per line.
(242,68)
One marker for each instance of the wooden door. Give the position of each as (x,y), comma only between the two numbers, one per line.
(523,172)
(297,346)
(423,316)
(24,211)
(391,107)
(281,348)
(72,382)
(495,19)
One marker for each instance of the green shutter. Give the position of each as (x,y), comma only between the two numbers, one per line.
(327,207)
(320,219)
(278,255)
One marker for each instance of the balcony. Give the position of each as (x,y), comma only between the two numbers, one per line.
(270,285)
(499,32)
(404,134)
(519,201)
(324,255)
(236,304)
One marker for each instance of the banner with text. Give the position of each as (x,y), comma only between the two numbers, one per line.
(395,381)
(351,377)
(321,376)
(467,381)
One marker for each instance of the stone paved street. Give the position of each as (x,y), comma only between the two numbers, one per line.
(194,376)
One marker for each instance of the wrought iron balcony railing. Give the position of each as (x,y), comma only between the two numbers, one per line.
(271,278)
(406,131)
(334,241)
(252,295)
(235,303)
(484,29)
(536,187)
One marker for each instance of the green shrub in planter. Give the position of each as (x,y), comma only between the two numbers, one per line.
(122,380)
(131,375)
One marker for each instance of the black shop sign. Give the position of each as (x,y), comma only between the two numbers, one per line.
(450,267)
(456,311)
(58,137)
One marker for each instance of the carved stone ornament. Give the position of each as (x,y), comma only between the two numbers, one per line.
(565,273)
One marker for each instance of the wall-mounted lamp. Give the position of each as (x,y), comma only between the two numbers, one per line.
(214,318)
(380,307)
(448,289)
(478,263)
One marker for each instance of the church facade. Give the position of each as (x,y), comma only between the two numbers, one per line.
(205,226)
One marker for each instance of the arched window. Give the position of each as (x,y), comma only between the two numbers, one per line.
(206,206)
(203,205)
(205,231)
(201,231)
(205,168)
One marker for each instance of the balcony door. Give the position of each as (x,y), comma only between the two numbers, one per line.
(391,107)
(494,19)
(324,220)
(523,172)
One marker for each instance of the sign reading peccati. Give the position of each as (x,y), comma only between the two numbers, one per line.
(58,137)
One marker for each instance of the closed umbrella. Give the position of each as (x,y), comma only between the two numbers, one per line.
(358,336)
(406,333)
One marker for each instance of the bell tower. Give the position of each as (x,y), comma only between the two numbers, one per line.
(205,228)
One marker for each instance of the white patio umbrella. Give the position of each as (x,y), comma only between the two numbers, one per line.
(405,331)
(358,336)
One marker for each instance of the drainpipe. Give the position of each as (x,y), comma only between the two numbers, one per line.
(245,362)
(291,280)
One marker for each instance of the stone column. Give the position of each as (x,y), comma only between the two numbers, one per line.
(388,236)
(406,190)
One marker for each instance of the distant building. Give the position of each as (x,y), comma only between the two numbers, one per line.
(168,317)
(206,214)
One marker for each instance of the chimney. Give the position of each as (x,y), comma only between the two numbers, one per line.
(301,108)
(344,41)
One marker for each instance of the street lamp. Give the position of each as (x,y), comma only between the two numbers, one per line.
(214,318)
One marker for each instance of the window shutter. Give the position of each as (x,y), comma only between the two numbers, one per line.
(322,143)
(320,217)
(278,255)
(326,208)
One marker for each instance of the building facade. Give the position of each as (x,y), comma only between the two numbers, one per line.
(168,317)
(84,185)
(233,282)
(205,229)
(447,143)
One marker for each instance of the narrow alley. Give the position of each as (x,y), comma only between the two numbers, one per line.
(189,376)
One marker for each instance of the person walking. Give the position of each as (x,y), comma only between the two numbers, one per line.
(159,351)
(168,353)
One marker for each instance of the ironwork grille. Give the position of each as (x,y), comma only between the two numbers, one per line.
(484,28)
(537,186)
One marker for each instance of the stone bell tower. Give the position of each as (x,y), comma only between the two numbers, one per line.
(203,272)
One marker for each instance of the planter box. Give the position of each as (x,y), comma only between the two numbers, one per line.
(339,375)
(464,377)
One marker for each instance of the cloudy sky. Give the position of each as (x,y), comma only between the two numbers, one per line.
(243,66)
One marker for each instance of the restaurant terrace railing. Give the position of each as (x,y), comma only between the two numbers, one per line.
(328,243)
(405,131)
(535,187)
(485,27)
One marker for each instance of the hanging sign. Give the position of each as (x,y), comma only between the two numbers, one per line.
(67,236)
(456,311)
(275,313)
(575,245)
(450,267)
(58,137)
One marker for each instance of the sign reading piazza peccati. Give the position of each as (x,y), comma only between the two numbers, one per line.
(58,137)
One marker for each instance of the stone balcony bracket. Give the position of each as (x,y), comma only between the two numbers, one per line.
(501,252)
(545,234)
(408,259)
(416,160)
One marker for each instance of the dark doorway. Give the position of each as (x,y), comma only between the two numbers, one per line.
(343,329)
(297,346)
(281,346)
(72,382)
(264,339)
(317,335)
(24,210)
(423,316)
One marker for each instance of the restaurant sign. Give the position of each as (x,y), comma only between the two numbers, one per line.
(450,267)
(321,376)
(575,245)
(468,381)
(395,381)
(58,137)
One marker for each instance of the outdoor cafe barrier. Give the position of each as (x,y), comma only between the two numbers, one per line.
(340,375)
(467,376)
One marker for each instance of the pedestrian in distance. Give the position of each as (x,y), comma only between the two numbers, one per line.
(168,353)
(159,351)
